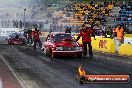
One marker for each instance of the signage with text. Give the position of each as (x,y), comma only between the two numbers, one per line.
(102,44)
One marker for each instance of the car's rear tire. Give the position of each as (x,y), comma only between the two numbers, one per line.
(53,55)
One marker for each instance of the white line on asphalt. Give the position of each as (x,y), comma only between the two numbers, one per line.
(1,84)
(17,76)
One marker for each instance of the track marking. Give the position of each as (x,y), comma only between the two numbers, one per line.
(17,76)
(1,84)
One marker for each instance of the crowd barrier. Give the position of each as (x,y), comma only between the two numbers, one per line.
(125,49)
(44,34)
(128,35)
(102,44)
(128,39)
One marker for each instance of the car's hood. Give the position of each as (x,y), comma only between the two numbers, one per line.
(66,43)
(15,39)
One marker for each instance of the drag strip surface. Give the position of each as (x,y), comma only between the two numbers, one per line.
(8,78)
(40,71)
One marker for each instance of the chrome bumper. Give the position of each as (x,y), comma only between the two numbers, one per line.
(67,51)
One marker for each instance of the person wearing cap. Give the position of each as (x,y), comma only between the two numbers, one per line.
(86,33)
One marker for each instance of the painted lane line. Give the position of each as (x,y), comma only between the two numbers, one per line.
(1,84)
(17,76)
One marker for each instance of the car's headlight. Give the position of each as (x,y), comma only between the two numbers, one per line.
(79,48)
(59,48)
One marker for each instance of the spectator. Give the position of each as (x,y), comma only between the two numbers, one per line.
(68,30)
(8,23)
(25,33)
(120,33)
(16,24)
(20,24)
(108,32)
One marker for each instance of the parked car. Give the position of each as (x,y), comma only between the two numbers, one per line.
(61,44)
(15,39)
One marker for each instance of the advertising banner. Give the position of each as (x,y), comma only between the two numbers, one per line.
(102,44)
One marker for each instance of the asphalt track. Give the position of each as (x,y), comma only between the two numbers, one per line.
(35,70)
(8,78)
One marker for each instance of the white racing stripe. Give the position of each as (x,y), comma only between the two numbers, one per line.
(17,76)
(1,84)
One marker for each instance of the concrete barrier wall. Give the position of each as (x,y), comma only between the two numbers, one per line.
(128,35)
(125,49)
(102,44)
(44,34)
(128,39)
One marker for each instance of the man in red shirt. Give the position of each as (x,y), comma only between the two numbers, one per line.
(86,33)
(36,38)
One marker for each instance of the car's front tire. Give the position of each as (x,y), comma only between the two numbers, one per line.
(53,55)
(79,56)
(45,51)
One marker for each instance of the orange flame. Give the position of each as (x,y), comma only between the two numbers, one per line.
(81,71)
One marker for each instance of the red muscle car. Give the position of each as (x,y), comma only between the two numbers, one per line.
(15,39)
(61,44)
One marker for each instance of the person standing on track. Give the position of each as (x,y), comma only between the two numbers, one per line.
(86,33)
(36,38)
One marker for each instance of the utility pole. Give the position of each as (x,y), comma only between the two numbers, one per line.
(24,17)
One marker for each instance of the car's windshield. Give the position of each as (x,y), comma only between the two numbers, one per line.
(61,37)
